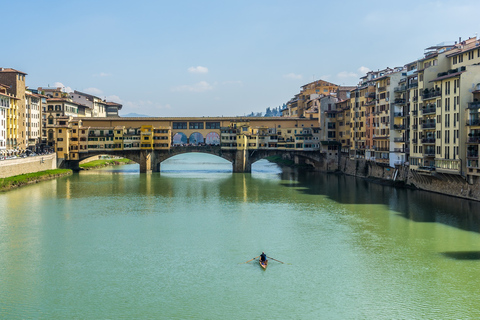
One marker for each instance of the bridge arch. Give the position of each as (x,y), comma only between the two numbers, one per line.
(196,138)
(213,139)
(179,138)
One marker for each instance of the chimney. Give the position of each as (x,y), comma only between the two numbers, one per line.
(459,39)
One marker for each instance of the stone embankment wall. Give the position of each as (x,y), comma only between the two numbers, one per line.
(14,167)
(452,185)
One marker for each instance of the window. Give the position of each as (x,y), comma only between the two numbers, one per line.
(195,125)
(179,125)
(212,125)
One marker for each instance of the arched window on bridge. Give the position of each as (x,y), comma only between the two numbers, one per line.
(196,138)
(179,139)
(212,138)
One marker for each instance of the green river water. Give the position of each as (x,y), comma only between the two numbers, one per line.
(117,244)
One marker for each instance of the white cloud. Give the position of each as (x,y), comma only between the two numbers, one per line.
(233,82)
(102,74)
(93,91)
(202,86)
(363,70)
(293,76)
(198,69)
(114,98)
(346,74)
(61,85)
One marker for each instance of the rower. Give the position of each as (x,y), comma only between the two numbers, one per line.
(263,257)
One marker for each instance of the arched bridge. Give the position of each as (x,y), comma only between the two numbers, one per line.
(150,141)
(242,160)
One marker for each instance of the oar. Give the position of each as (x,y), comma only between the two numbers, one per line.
(275,259)
(251,259)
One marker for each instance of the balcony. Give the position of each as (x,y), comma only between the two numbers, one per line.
(428,140)
(381,89)
(473,155)
(428,125)
(413,85)
(400,88)
(398,127)
(398,114)
(401,139)
(432,95)
(429,110)
(398,150)
(474,105)
(473,122)
(474,140)
(399,101)
(429,152)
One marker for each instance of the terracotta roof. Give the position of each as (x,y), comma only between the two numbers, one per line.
(109,103)
(11,70)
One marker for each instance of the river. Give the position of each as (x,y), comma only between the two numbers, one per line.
(116,244)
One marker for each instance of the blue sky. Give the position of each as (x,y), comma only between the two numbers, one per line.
(213,58)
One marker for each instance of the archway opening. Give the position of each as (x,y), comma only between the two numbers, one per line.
(196,163)
(212,139)
(180,139)
(196,139)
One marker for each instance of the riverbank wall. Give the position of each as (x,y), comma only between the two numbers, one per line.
(443,183)
(15,167)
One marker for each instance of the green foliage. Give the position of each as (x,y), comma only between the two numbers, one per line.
(24,179)
(103,163)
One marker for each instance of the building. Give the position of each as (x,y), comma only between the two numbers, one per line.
(97,106)
(113,108)
(4,106)
(15,80)
(33,120)
(299,104)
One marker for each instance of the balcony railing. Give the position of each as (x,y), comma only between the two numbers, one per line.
(429,153)
(397,150)
(431,95)
(474,105)
(472,155)
(399,114)
(400,88)
(399,101)
(399,127)
(430,110)
(428,125)
(413,85)
(473,140)
(473,122)
(381,89)
(399,139)
(428,140)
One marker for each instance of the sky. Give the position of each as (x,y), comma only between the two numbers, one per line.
(218,58)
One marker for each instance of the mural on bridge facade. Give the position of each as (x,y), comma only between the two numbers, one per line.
(179,139)
(196,138)
(213,138)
